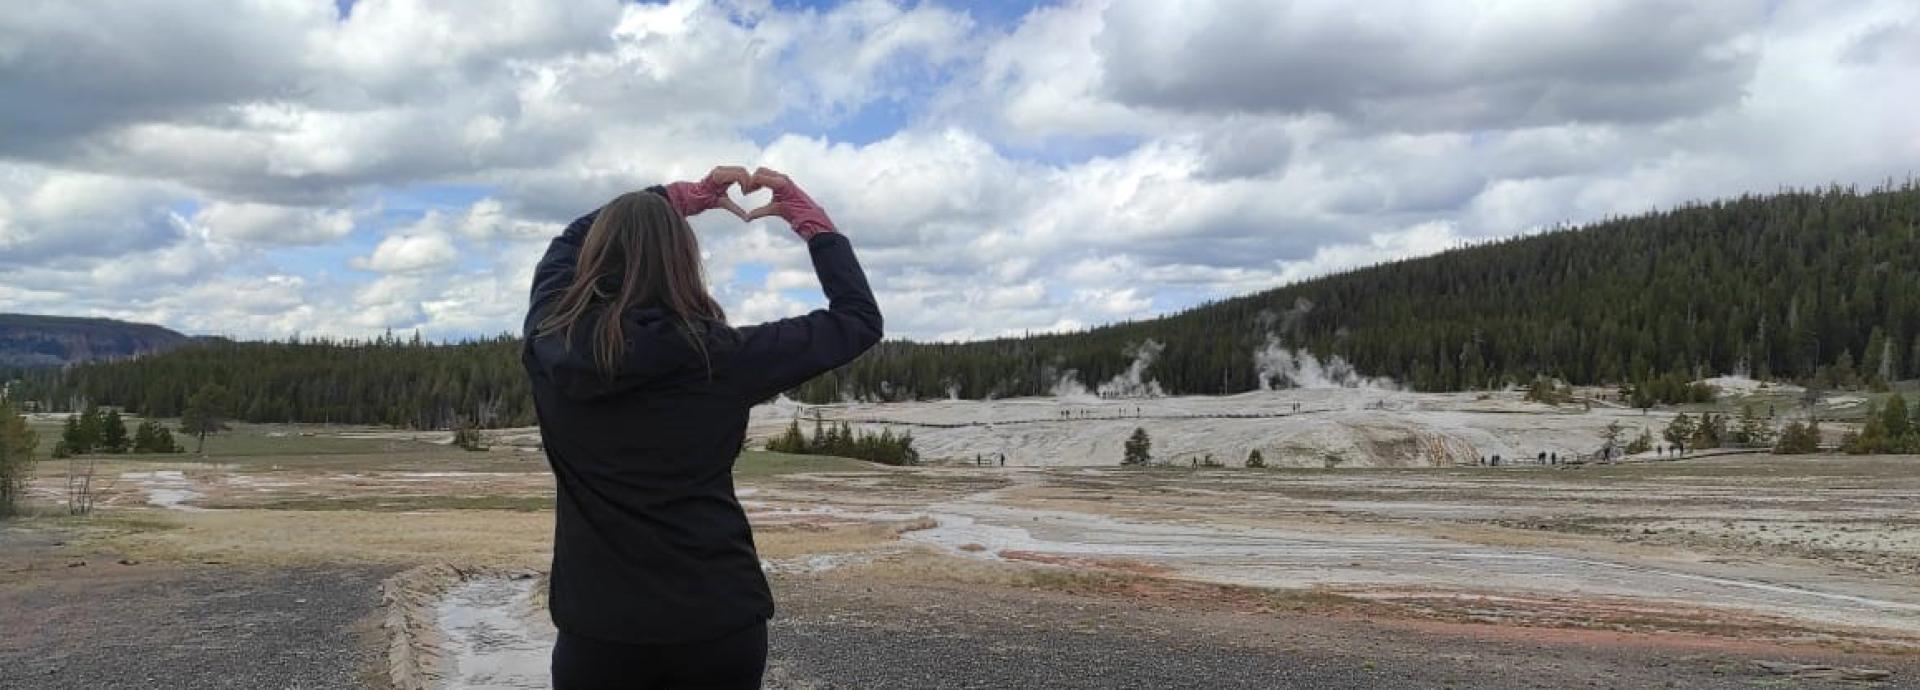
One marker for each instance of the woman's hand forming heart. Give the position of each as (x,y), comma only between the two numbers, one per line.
(693,198)
(789,202)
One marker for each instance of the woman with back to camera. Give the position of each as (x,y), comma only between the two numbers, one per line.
(642,391)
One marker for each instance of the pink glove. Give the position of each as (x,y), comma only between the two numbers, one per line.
(791,203)
(694,198)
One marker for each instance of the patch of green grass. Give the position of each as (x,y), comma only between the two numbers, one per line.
(760,463)
(249,441)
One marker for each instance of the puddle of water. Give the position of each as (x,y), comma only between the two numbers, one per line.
(493,640)
(168,489)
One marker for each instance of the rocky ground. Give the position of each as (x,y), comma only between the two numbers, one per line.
(82,618)
(839,634)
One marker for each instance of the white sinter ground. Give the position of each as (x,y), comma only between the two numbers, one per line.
(1343,427)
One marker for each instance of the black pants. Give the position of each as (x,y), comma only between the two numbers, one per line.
(734,661)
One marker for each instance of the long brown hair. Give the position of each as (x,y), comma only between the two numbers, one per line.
(638,253)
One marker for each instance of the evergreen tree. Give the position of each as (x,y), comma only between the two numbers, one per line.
(1885,430)
(82,432)
(1894,417)
(1641,443)
(113,433)
(143,438)
(163,441)
(17,443)
(1711,432)
(1798,438)
(1139,448)
(72,439)
(1254,460)
(1752,429)
(206,413)
(1680,431)
(92,427)
(792,441)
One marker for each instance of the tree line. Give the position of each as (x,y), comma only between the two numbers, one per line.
(1888,429)
(386,380)
(1820,287)
(104,431)
(842,441)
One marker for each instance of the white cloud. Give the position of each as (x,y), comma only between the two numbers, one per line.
(223,166)
(764,306)
(1419,240)
(409,253)
(268,224)
(56,215)
(1431,65)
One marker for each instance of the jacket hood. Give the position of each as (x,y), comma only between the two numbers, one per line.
(657,350)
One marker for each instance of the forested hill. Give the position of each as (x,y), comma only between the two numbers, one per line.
(29,340)
(1797,285)
(1786,286)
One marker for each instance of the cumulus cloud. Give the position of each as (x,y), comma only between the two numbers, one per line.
(260,168)
(409,253)
(1432,65)
(269,224)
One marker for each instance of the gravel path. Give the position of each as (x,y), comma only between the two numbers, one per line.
(109,625)
(844,635)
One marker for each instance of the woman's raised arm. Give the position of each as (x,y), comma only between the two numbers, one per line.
(779,355)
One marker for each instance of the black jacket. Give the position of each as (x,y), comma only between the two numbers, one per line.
(650,544)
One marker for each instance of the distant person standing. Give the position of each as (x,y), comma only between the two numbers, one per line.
(642,390)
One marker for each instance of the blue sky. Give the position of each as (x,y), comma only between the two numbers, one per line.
(345,168)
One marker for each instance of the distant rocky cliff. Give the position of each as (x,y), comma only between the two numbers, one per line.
(32,340)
